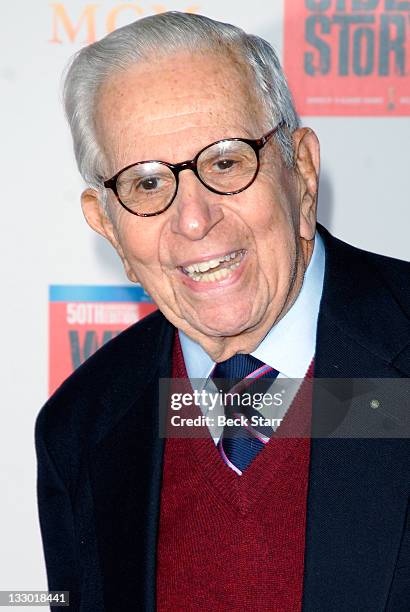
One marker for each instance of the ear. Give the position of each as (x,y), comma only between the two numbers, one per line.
(307,158)
(99,221)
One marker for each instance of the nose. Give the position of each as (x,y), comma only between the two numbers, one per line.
(195,209)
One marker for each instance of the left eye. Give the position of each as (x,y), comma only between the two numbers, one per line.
(224,164)
(150,183)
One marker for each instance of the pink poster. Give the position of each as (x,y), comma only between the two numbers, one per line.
(348,57)
(82,318)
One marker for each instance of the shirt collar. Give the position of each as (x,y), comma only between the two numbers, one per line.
(290,344)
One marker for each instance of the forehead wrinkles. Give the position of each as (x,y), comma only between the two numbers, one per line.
(169,95)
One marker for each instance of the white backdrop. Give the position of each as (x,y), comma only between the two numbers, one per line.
(364,199)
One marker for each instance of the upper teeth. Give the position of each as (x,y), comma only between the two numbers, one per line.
(204,266)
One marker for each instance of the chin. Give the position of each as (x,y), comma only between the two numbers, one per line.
(223,323)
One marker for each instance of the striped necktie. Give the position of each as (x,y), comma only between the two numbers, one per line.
(240,444)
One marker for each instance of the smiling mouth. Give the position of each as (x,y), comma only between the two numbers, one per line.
(215,269)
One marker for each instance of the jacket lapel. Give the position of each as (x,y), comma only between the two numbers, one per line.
(126,471)
(357,487)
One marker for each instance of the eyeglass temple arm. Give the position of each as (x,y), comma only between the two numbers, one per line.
(110,183)
(269,135)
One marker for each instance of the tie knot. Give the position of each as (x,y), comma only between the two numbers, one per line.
(241,371)
(237,367)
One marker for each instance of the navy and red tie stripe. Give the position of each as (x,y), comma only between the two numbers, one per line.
(240,444)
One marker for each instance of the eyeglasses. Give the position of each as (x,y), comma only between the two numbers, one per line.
(226,167)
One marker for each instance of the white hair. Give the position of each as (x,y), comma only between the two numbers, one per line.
(163,35)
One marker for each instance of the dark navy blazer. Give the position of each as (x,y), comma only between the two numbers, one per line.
(100,458)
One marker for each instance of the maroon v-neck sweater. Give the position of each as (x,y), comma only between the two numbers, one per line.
(228,542)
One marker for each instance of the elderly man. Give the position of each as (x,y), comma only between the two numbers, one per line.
(201,178)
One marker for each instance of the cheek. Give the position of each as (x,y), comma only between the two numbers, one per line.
(271,218)
(139,239)
(274,229)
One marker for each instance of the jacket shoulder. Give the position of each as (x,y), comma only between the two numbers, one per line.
(395,273)
(368,271)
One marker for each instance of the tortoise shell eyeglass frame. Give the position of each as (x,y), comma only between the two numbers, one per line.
(256,144)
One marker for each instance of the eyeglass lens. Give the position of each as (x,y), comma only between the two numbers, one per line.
(226,166)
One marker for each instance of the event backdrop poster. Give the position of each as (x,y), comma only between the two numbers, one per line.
(348,57)
(82,318)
